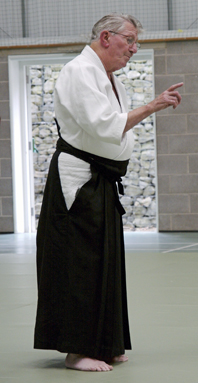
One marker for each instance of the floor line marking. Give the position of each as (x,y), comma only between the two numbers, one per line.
(179,248)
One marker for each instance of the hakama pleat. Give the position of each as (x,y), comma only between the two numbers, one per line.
(82,301)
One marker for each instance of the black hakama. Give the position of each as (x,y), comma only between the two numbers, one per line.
(82,302)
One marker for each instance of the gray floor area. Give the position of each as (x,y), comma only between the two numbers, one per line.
(162,287)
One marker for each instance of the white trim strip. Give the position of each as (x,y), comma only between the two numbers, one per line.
(180,248)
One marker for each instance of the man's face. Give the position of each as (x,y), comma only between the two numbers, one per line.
(120,50)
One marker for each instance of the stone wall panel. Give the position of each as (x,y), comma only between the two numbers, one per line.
(184,222)
(7,206)
(173,203)
(172,164)
(194,203)
(164,222)
(4,110)
(192,123)
(184,144)
(173,125)
(193,163)
(182,63)
(184,183)
(6,224)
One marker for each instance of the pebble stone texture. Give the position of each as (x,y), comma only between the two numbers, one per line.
(139,200)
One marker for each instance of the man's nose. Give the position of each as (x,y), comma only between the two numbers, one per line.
(133,48)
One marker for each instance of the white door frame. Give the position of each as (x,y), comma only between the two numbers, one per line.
(21,138)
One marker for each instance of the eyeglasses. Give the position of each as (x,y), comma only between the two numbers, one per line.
(129,39)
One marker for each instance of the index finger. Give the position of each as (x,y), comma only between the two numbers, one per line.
(175,86)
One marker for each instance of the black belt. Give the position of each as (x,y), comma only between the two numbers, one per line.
(112,170)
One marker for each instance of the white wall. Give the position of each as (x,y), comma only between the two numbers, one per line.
(46,18)
(185,14)
(10,19)
(76,17)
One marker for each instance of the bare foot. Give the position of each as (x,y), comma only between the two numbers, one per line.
(80,362)
(119,358)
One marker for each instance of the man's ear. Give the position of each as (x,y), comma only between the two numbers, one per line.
(104,39)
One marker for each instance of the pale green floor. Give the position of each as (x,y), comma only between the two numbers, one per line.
(163,308)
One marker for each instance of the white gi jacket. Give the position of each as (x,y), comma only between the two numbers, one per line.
(90,118)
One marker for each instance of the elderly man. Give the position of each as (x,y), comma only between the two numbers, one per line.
(82,303)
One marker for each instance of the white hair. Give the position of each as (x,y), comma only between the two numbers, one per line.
(114,22)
